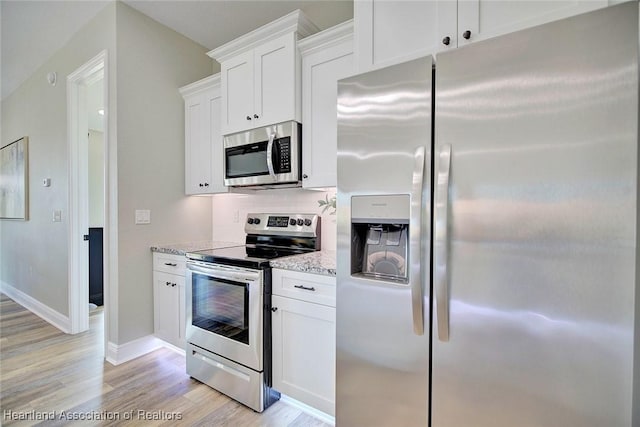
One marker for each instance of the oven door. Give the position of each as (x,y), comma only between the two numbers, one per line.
(225,311)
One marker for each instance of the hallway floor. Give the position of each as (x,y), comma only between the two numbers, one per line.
(51,378)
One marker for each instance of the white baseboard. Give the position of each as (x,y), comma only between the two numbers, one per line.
(121,353)
(324,417)
(41,310)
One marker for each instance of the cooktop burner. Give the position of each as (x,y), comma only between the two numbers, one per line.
(243,256)
(269,236)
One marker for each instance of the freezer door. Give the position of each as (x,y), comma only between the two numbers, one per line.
(535,236)
(384,170)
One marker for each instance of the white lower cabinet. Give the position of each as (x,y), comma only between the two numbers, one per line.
(304,339)
(169,298)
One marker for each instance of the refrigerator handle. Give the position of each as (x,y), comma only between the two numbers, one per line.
(440,217)
(415,236)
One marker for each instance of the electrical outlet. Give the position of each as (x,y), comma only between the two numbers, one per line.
(143,216)
(57,216)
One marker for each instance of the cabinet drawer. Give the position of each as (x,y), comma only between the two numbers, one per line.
(305,286)
(173,264)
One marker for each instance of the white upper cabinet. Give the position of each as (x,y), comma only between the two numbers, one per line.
(204,172)
(238,89)
(260,75)
(482,19)
(388,31)
(277,81)
(326,58)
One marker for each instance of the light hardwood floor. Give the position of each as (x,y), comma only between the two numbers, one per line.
(45,372)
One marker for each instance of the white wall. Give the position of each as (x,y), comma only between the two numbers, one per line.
(96,178)
(225,207)
(34,253)
(152,63)
(147,64)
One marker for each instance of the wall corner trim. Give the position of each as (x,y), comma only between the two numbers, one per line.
(121,353)
(41,310)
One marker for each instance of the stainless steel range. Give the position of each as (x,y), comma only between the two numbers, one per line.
(229,306)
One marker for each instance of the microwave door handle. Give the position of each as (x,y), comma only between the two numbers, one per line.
(270,155)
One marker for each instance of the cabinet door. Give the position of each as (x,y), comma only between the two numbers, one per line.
(215,139)
(389,32)
(237,93)
(304,352)
(166,307)
(275,81)
(182,315)
(321,71)
(197,149)
(488,18)
(203,143)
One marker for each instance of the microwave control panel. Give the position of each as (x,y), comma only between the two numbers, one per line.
(284,149)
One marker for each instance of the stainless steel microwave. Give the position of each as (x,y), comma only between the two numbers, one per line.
(268,156)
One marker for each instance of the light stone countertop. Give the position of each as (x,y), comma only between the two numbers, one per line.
(321,262)
(183,248)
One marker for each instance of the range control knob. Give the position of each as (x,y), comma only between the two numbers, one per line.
(300,221)
(256,221)
(307,222)
(249,220)
(292,221)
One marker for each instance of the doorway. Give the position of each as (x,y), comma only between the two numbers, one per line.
(89,190)
(95,172)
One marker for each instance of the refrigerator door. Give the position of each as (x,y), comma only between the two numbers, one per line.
(382,331)
(535,258)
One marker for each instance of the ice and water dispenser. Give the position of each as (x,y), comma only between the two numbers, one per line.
(379,237)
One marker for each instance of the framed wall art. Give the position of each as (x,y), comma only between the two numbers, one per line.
(14,180)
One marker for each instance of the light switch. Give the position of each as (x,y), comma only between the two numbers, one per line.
(57,216)
(46,182)
(143,216)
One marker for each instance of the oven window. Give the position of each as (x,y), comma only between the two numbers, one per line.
(221,306)
(249,160)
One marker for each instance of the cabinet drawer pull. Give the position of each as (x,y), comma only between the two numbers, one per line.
(171,264)
(255,116)
(167,283)
(305,288)
(248,117)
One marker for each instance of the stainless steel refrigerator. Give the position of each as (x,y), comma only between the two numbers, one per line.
(488,233)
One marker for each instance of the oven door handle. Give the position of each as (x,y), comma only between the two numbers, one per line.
(242,276)
(272,172)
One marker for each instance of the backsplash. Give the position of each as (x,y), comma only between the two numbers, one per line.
(228,207)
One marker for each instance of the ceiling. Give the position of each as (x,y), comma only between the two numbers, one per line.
(32,31)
